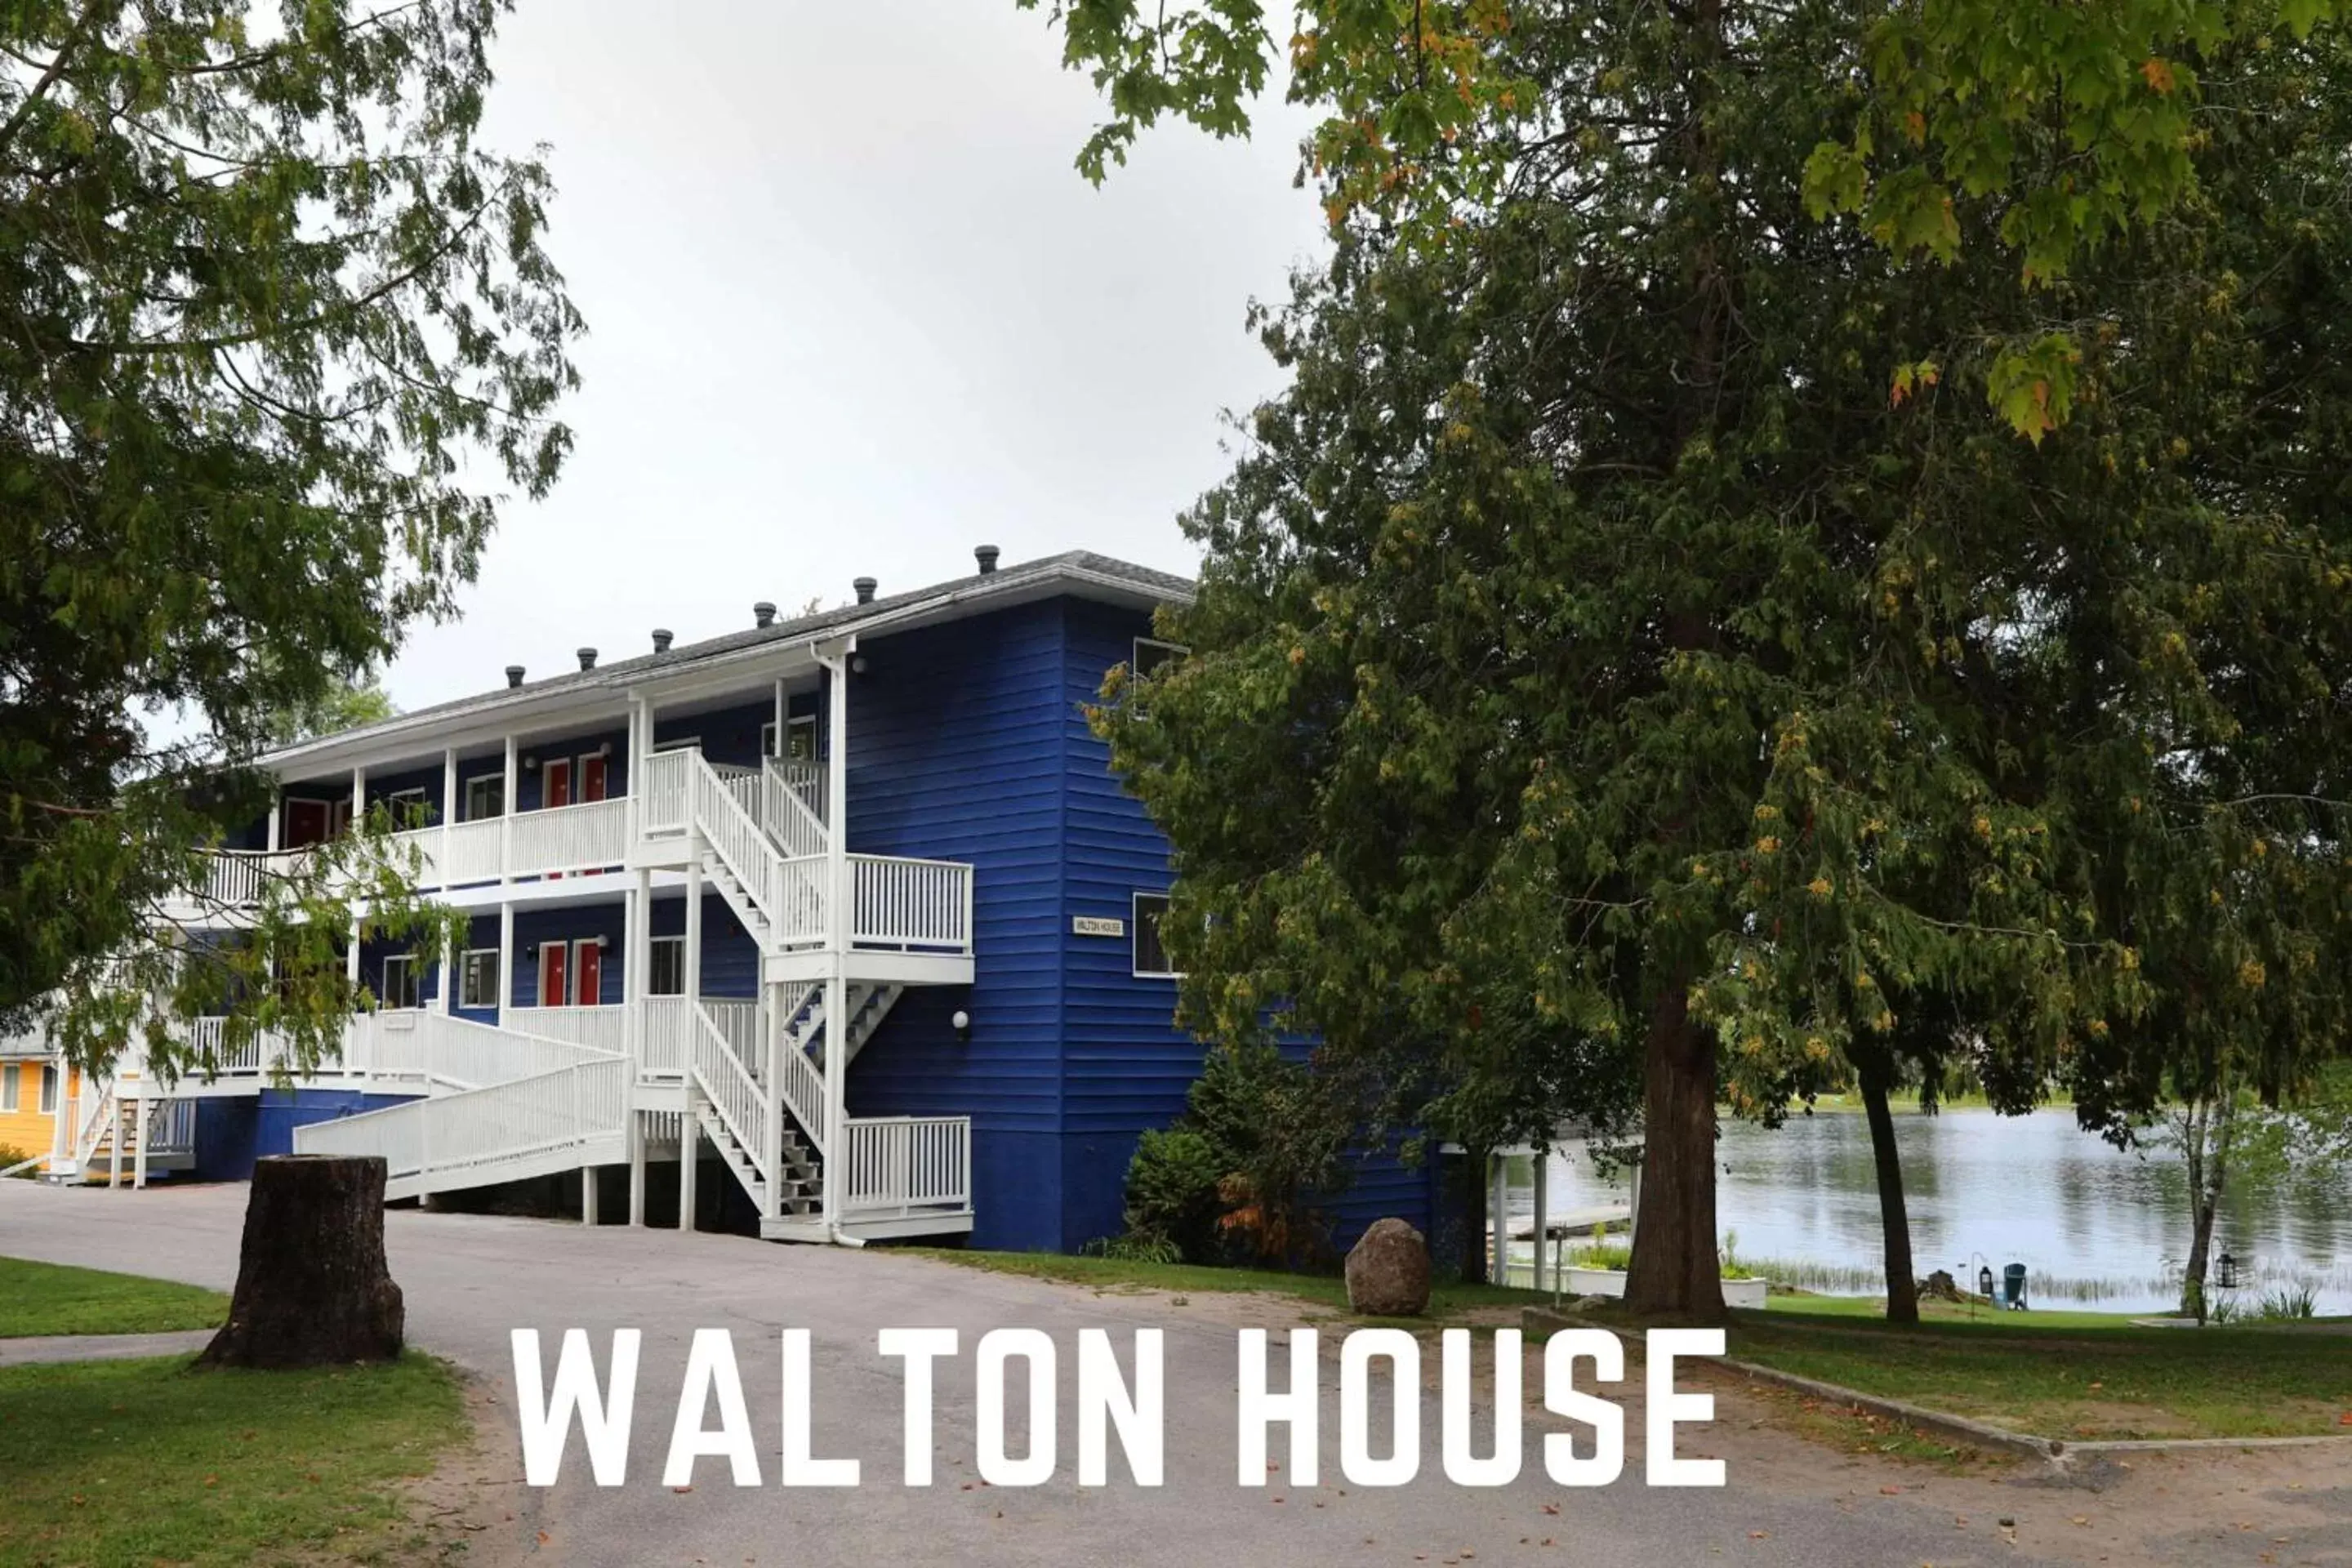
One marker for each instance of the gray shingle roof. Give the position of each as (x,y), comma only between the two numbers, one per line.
(1074,565)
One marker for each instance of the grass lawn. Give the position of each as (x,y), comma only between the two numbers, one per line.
(2072,1375)
(1872,1308)
(46,1298)
(1322,1289)
(152,1462)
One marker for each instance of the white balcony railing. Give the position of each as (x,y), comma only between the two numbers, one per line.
(904,1165)
(604,1028)
(669,1035)
(583,837)
(499,1129)
(664,791)
(913,905)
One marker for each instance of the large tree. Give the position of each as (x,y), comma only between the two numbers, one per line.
(272,324)
(1630,643)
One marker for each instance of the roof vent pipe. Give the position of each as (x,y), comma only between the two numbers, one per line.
(661,640)
(986,556)
(514,676)
(587,658)
(763,614)
(864,587)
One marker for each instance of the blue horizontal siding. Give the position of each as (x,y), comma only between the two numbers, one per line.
(954,755)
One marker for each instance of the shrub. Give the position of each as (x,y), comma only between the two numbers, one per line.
(2289,1304)
(1171,1194)
(12,1155)
(1235,1178)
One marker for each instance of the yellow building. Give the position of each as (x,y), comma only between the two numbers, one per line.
(33,1094)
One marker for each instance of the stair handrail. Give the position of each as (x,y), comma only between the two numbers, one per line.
(797,830)
(734,837)
(731,1090)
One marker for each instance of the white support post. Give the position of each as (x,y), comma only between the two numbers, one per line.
(359,797)
(588,1196)
(692,979)
(1501,1219)
(506,959)
(508,785)
(636,1167)
(448,806)
(139,1131)
(351,958)
(1543,1228)
(274,828)
(690,1151)
(837,925)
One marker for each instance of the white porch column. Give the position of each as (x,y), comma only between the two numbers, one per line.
(506,959)
(637,1166)
(588,1196)
(139,1125)
(836,926)
(359,796)
(1499,1215)
(780,723)
(692,979)
(1543,1193)
(508,784)
(351,958)
(690,1151)
(274,829)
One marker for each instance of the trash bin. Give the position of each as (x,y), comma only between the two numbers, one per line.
(2012,1286)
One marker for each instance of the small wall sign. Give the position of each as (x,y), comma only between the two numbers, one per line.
(1096,925)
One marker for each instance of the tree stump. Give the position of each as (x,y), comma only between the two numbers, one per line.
(311,1285)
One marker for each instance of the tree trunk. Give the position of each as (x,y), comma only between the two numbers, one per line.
(1673,1271)
(311,1285)
(1875,1068)
(2206,1141)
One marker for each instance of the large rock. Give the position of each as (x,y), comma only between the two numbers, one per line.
(1388,1272)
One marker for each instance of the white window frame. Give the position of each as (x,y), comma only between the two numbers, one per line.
(478,961)
(52,1084)
(417,794)
(680,743)
(385,998)
(655,945)
(491,787)
(9,1094)
(1135,937)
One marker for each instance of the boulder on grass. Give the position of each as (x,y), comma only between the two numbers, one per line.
(1388,1272)
(311,1285)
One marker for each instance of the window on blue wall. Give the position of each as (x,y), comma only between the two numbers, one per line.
(407,807)
(668,971)
(1151,957)
(399,981)
(478,978)
(486,797)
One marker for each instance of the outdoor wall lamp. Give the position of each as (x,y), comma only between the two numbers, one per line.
(603,942)
(962,1023)
(531,765)
(605,749)
(858,663)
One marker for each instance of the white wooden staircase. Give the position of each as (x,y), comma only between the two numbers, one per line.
(763,848)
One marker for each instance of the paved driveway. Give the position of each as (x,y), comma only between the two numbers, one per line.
(471,1279)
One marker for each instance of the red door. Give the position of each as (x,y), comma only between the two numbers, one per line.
(588,976)
(305,822)
(553,974)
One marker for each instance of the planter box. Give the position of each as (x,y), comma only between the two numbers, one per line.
(1611,1282)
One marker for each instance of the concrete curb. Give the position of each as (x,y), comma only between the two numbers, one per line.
(46,1349)
(2059,1453)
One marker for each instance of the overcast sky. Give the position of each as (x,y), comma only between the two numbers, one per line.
(851,313)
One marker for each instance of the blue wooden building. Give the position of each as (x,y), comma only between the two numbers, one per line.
(844,916)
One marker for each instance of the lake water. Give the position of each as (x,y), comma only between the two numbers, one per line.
(2094,1226)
